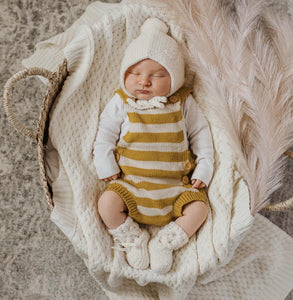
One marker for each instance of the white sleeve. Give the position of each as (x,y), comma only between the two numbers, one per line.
(200,140)
(108,134)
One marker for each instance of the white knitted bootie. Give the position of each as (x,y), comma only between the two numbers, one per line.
(171,237)
(129,237)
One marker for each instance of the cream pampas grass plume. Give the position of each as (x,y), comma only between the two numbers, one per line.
(270,105)
(242,55)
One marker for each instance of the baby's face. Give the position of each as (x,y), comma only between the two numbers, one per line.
(147,79)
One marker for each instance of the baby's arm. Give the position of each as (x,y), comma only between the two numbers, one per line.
(200,142)
(108,134)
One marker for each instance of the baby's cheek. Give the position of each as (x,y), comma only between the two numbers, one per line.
(166,89)
(129,82)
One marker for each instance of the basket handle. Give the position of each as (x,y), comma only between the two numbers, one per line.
(7,93)
(282,205)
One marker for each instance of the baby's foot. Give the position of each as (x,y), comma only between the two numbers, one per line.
(129,237)
(171,237)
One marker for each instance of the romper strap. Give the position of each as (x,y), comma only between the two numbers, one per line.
(180,95)
(123,96)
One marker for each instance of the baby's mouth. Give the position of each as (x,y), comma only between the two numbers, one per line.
(143,92)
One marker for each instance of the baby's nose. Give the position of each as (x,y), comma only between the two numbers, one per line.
(144,80)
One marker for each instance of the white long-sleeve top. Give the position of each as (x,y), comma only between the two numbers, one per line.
(114,123)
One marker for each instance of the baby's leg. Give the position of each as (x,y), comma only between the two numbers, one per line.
(126,232)
(112,209)
(193,216)
(175,235)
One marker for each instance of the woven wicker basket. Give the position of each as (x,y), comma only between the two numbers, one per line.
(56,81)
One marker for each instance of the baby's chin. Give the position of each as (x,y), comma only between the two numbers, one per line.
(144,97)
(147,96)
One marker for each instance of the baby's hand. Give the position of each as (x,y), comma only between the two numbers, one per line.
(197,184)
(111,177)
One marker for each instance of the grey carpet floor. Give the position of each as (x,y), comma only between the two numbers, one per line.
(36,260)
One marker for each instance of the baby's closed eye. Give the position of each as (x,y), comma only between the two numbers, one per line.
(158,75)
(134,73)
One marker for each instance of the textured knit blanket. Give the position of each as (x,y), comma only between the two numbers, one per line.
(94,46)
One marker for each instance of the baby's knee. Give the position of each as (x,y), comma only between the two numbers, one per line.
(204,209)
(196,207)
(109,203)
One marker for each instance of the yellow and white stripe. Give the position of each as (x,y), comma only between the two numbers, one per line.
(164,147)
(153,156)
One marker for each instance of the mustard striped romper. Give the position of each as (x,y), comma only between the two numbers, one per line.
(155,162)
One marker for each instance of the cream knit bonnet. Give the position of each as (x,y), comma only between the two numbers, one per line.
(154,43)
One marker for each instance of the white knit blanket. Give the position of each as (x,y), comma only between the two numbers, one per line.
(94,47)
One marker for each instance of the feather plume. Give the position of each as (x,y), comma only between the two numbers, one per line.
(241,69)
(271,108)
